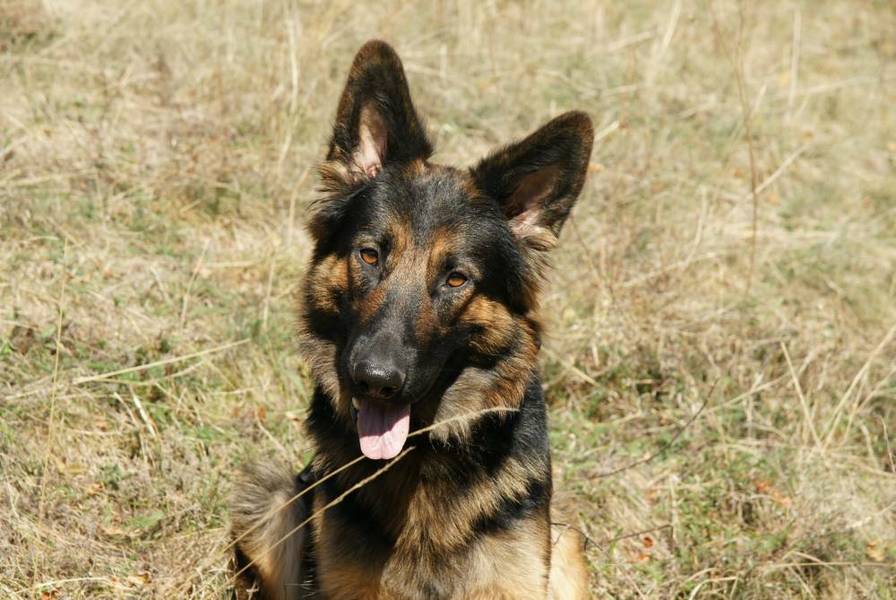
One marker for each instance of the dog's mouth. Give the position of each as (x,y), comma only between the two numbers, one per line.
(382,429)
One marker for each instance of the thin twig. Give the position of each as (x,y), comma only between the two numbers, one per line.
(668,444)
(841,405)
(794,60)
(158,363)
(186,300)
(51,420)
(807,414)
(781,168)
(613,540)
(736,59)
(626,536)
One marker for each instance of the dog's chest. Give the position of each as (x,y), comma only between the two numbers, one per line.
(437,555)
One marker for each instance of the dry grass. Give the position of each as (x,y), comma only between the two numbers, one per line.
(736,245)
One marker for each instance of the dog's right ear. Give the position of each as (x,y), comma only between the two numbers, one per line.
(376,122)
(537,180)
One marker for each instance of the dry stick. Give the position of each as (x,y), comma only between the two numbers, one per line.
(186,300)
(637,533)
(737,63)
(781,168)
(51,422)
(156,380)
(58,582)
(469,415)
(694,593)
(144,416)
(613,540)
(835,419)
(794,60)
(807,414)
(158,363)
(860,403)
(842,563)
(890,455)
(670,28)
(748,133)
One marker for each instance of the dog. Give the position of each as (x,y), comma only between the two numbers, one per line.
(431,478)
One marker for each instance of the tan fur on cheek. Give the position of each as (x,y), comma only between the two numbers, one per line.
(426,326)
(498,327)
(500,387)
(326,281)
(319,354)
(370,304)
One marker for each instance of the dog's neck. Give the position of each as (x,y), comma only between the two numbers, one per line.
(440,472)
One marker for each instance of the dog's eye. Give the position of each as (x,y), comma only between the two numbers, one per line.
(456,279)
(370,256)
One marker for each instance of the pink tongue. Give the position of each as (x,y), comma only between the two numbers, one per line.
(382,430)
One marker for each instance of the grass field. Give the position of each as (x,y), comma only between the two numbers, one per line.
(722,314)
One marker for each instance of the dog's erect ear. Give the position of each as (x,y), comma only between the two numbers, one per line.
(537,180)
(376,122)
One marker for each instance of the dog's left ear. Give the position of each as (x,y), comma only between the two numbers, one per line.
(536,181)
(376,122)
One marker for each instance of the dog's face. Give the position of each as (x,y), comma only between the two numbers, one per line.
(419,299)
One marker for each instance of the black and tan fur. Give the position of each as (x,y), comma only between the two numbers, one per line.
(465,514)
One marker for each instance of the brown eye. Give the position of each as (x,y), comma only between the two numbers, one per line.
(456,279)
(370,256)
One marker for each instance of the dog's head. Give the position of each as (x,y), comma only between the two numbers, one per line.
(420,295)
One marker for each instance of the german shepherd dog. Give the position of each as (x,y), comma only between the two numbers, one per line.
(419,312)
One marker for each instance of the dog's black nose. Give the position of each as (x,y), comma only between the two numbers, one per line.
(380,381)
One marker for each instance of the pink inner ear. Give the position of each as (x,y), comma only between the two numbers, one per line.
(372,139)
(527,202)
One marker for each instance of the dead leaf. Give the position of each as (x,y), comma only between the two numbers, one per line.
(113,531)
(139,579)
(766,488)
(875,551)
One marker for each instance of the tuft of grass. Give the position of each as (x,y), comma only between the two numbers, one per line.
(721,315)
